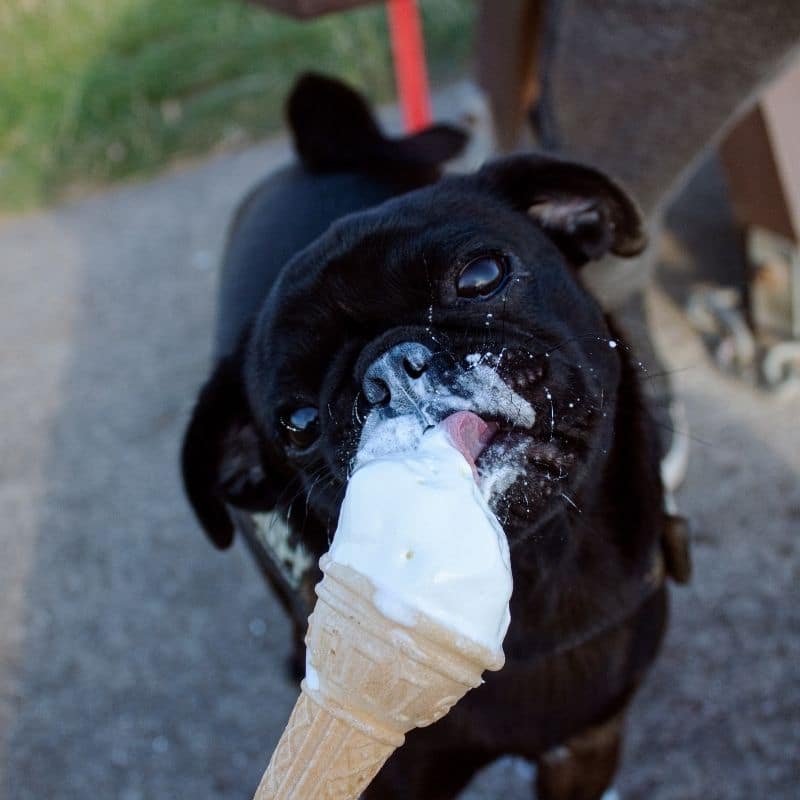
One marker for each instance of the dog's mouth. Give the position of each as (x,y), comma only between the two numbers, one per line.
(470,435)
(475,386)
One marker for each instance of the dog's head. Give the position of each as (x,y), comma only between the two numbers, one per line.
(462,295)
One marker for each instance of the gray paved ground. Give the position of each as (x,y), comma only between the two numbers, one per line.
(136,662)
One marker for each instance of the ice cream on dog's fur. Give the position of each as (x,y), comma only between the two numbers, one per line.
(412,609)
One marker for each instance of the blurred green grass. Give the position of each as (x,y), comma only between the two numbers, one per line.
(93,91)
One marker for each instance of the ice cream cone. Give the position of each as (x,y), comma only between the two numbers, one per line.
(372,680)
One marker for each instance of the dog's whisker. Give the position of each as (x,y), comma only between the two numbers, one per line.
(282,501)
(354,412)
(310,491)
(286,489)
(570,501)
(503,318)
(672,429)
(564,342)
(664,373)
(314,484)
(548,394)
(445,350)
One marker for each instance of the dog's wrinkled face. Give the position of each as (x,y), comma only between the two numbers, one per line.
(453,297)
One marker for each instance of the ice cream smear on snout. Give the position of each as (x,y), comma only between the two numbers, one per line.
(416,523)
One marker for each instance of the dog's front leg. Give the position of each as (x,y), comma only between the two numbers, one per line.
(427,768)
(584,767)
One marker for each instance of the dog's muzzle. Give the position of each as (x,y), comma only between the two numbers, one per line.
(409,388)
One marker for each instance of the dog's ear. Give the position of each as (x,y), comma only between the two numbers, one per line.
(582,210)
(334,131)
(221,459)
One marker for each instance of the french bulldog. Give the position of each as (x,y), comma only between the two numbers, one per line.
(363,293)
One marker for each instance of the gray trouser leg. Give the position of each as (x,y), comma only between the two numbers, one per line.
(640,89)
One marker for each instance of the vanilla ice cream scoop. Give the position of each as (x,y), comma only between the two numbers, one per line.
(418,526)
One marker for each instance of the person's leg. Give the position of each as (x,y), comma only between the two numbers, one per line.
(641,90)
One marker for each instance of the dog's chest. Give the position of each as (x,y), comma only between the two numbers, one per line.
(534,704)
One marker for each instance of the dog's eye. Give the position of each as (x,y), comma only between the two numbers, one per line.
(481,277)
(301,426)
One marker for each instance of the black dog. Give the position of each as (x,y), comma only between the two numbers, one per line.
(358,287)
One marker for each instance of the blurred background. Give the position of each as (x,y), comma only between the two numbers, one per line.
(95,91)
(135,661)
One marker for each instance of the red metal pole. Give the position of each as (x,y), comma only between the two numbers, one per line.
(411,73)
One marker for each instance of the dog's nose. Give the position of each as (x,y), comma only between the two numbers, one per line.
(393,376)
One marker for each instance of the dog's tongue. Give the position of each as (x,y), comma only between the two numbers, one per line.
(469,435)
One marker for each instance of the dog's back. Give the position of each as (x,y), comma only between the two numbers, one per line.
(346,165)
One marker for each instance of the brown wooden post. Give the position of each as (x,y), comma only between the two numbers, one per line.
(761,156)
(507,45)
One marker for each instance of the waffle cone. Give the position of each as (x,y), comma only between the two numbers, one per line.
(376,680)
